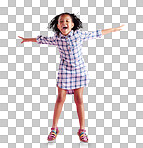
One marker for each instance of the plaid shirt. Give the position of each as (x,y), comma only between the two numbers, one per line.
(70,48)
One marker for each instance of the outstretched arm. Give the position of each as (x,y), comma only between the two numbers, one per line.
(27,39)
(41,40)
(106,31)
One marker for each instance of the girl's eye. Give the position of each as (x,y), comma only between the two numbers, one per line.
(62,21)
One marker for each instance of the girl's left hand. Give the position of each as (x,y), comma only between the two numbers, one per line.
(22,39)
(118,28)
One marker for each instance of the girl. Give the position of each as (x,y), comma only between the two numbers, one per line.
(72,75)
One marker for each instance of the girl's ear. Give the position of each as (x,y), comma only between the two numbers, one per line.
(72,25)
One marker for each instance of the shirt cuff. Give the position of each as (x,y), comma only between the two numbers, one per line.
(99,33)
(38,39)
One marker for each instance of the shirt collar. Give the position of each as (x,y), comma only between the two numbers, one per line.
(69,35)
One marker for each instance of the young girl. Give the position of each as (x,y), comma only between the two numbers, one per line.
(72,75)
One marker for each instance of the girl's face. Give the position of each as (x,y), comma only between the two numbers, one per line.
(65,24)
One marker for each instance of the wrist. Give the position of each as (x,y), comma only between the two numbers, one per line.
(29,39)
(26,40)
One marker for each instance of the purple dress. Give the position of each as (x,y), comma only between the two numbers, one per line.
(72,72)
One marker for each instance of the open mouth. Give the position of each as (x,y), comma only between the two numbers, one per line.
(65,28)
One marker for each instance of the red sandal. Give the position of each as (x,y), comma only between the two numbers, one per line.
(82,135)
(53,134)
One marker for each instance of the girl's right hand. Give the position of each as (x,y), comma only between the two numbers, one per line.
(118,28)
(22,39)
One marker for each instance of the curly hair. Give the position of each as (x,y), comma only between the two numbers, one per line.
(53,23)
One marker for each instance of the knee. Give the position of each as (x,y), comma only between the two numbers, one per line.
(79,100)
(60,99)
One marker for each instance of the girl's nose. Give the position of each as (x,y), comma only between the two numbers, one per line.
(64,24)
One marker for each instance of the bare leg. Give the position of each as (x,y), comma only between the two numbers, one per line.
(58,106)
(78,97)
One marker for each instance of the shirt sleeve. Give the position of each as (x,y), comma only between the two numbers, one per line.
(46,40)
(86,35)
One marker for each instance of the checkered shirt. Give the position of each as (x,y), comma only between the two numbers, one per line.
(72,72)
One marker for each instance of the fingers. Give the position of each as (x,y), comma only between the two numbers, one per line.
(20,37)
(122,25)
(119,28)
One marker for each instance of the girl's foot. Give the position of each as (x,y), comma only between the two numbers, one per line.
(82,135)
(53,134)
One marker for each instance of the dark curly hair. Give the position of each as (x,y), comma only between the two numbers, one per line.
(53,23)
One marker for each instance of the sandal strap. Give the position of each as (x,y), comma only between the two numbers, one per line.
(52,134)
(54,128)
(53,131)
(83,137)
(82,133)
(83,130)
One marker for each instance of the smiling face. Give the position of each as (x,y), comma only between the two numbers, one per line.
(65,24)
